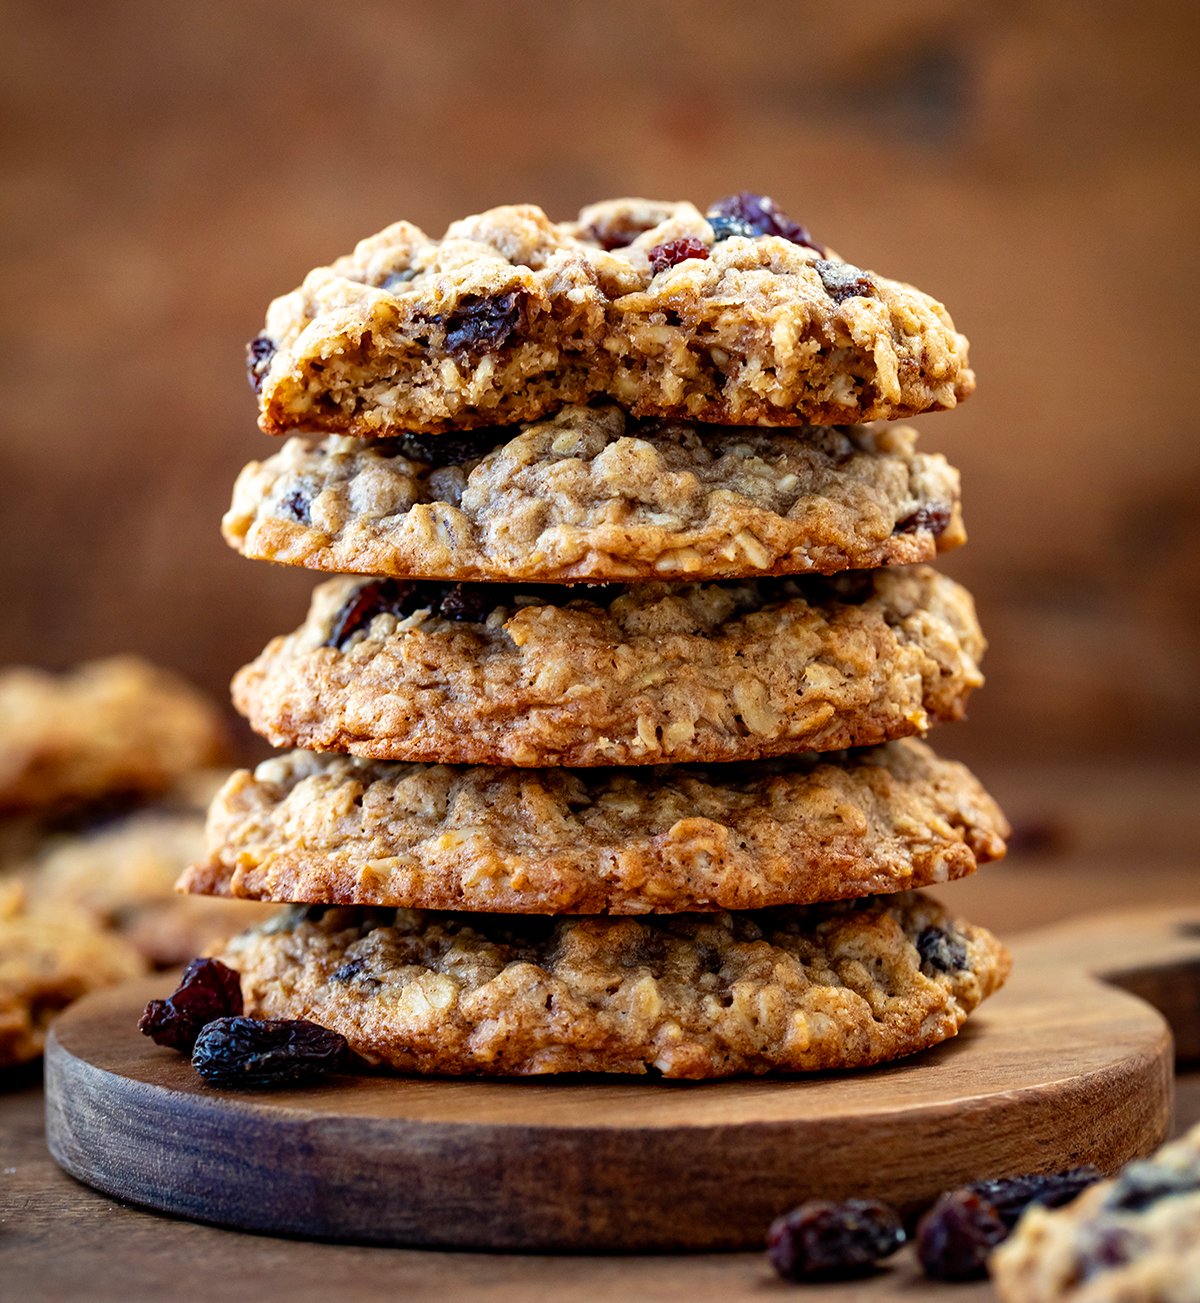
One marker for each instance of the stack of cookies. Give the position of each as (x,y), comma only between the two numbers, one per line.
(608,756)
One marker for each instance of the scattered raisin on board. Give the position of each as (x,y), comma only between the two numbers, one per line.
(956,1235)
(208,989)
(267,1052)
(823,1240)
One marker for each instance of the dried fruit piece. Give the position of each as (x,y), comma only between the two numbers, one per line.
(724,228)
(266,1052)
(942,951)
(297,505)
(380,596)
(1144,1183)
(843,280)
(208,989)
(1101,1248)
(667,255)
(259,352)
(482,324)
(763,216)
(445,449)
(934,518)
(823,1239)
(956,1235)
(1011,1195)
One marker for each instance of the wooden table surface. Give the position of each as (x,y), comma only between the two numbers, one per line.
(1093,838)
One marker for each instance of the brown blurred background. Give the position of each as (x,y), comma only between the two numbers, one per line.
(170,168)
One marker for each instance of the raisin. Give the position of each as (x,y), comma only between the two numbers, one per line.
(1143,1184)
(667,255)
(348,971)
(843,280)
(935,519)
(956,1235)
(267,1052)
(1102,1248)
(823,1240)
(297,506)
(763,216)
(208,990)
(482,324)
(1011,1195)
(724,228)
(941,951)
(469,603)
(380,596)
(259,353)
(447,449)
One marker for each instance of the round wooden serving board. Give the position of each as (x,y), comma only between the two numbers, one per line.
(1061,1068)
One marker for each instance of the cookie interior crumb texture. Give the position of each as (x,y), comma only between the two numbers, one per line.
(509,316)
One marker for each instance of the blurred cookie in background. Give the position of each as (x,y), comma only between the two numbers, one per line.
(45,964)
(120,877)
(105,773)
(109,729)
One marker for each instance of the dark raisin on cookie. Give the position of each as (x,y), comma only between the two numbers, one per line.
(469,603)
(934,518)
(1142,1184)
(764,217)
(267,1052)
(1101,1248)
(843,280)
(672,252)
(297,506)
(456,449)
(259,353)
(725,228)
(822,1240)
(941,951)
(207,990)
(379,597)
(483,324)
(957,1234)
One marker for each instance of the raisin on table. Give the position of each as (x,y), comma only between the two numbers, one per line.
(208,989)
(823,1240)
(267,1052)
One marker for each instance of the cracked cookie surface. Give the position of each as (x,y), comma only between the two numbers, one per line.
(509,316)
(529,676)
(592,494)
(1133,1239)
(686,995)
(112,728)
(331,829)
